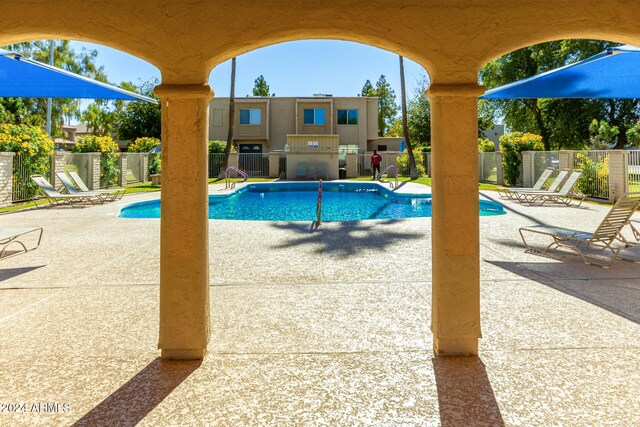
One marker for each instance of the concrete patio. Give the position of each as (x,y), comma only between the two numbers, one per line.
(329,327)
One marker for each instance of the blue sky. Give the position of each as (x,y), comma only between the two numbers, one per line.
(291,69)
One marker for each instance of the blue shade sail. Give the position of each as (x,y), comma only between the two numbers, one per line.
(614,73)
(25,78)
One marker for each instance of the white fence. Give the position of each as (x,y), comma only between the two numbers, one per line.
(633,170)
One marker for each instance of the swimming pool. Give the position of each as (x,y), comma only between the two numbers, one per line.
(297,201)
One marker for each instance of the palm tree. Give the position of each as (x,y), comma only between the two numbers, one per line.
(405,129)
(232,108)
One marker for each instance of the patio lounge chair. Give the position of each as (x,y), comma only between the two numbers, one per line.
(322,172)
(301,170)
(105,194)
(563,196)
(11,235)
(603,239)
(519,194)
(511,193)
(71,188)
(56,198)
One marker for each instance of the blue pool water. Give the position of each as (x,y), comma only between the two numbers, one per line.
(295,201)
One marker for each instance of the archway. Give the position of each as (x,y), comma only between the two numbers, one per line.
(451,42)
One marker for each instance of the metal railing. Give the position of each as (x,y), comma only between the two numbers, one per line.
(255,165)
(216,161)
(136,170)
(488,167)
(594,164)
(633,161)
(319,206)
(386,171)
(22,188)
(541,160)
(227,175)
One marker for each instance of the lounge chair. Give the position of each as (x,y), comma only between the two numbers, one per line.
(57,198)
(71,189)
(635,225)
(301,170)
(322,172)
(511,193)
(603,239)
(11,235)
(519,194)
(563,196)
(106,194)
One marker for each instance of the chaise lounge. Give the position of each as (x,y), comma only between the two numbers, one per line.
(601,240)
(109,195)
(56,198)
(11,235)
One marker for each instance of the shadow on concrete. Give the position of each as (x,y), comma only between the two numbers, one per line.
(128,405)
(8,273)
(602,289)
(465,395)
(349,238)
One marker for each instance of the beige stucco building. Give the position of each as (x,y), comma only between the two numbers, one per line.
(262,124)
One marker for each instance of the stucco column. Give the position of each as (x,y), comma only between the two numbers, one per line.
(455,224)
(184,222)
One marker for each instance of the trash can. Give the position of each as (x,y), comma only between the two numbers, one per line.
(342,173)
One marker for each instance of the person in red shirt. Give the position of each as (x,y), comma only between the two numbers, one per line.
(376,159)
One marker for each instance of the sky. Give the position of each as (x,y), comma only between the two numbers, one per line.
(300,68)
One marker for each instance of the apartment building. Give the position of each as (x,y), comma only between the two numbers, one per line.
(263,124)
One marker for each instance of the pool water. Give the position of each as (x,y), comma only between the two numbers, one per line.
(352,201)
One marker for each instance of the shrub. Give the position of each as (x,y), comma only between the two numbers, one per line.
(512,145)
(485,145)
(424,148)
(143,144)
(633,135)
(594,180)
(108,159)
(602,135)
(33,148)
(402,162)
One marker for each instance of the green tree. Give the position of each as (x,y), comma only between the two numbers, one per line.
(633,135)
(99,118)
(603,135)
(33,110)
(387,108)
(367,89)
(261,88)
(562,123)
(138,119)
(419,114)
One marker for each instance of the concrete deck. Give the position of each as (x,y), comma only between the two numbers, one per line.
(329,327)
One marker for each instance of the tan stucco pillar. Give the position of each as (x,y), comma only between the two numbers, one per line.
(184,222)
(455,224)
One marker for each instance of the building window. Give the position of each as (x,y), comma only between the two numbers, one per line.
(314,116)
(250,117)
(382,148)
(347,117)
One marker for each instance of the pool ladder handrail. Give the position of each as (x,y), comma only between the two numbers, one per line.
(386,170)
(228,183)
(319,207)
